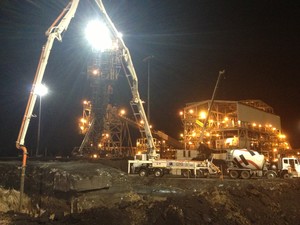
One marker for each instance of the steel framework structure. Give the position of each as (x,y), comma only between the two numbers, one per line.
(233,124)
(103,128)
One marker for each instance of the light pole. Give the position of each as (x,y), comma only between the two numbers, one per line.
(40,90)
(148,60)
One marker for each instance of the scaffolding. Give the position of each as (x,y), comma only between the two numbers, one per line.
(249,124)
(105,132)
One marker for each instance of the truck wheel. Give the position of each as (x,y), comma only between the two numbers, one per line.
(200,173)
(233,174)
(143,173)
(245,174)
(271,175)
(286,175)
(158,173)
(186,173)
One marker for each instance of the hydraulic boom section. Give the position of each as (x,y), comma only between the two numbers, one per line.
(54,32)
(127,62)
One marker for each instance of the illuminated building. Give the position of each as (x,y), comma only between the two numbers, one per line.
(250,124)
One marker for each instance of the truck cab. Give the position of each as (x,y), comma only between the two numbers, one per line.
(291,165)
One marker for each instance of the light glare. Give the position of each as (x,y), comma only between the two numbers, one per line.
(98,35)
(41,90)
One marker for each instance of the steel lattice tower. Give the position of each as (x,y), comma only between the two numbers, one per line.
(101,124)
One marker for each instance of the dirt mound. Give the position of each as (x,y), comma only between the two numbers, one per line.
(132,200)
(203,202)
(10,199)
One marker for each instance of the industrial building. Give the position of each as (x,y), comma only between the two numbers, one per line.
(250,124)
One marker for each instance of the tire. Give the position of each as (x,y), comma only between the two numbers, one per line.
(200,173)
(143,172)
(186,173)
(286,175)
(271,175)
(158,173)
(234,174)
(245,174)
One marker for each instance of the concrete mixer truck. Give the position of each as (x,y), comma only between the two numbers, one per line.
(243,163)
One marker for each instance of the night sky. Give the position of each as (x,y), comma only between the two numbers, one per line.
(256,42)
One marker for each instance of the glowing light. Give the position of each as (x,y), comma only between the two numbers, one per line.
(95,72)
(41,90)
(122,112)
(180,113)
(282,136)
(202,115)
(191,111)
(98,35)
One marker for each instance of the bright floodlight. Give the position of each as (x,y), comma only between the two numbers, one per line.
(41,90)
(98,35)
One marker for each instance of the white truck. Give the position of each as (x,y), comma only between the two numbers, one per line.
(243,163)
(145,165)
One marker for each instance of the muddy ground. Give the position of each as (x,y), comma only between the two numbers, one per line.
(129,199)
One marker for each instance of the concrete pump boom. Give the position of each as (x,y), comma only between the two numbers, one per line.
(134,89)
(54,32)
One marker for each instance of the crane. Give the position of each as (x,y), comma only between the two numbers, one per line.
(55,31)
(210,105)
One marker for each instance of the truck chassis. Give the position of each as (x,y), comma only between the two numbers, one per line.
(176,167)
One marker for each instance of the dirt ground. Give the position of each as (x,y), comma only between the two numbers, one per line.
(169,200)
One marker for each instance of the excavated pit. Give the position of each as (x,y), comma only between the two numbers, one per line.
(101,192)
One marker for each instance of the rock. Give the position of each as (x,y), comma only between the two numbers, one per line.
(254,192)
(207,219)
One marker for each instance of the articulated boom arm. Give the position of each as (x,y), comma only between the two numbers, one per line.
(53,32)
(134,90)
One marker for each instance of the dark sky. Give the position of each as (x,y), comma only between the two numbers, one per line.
(256,42)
